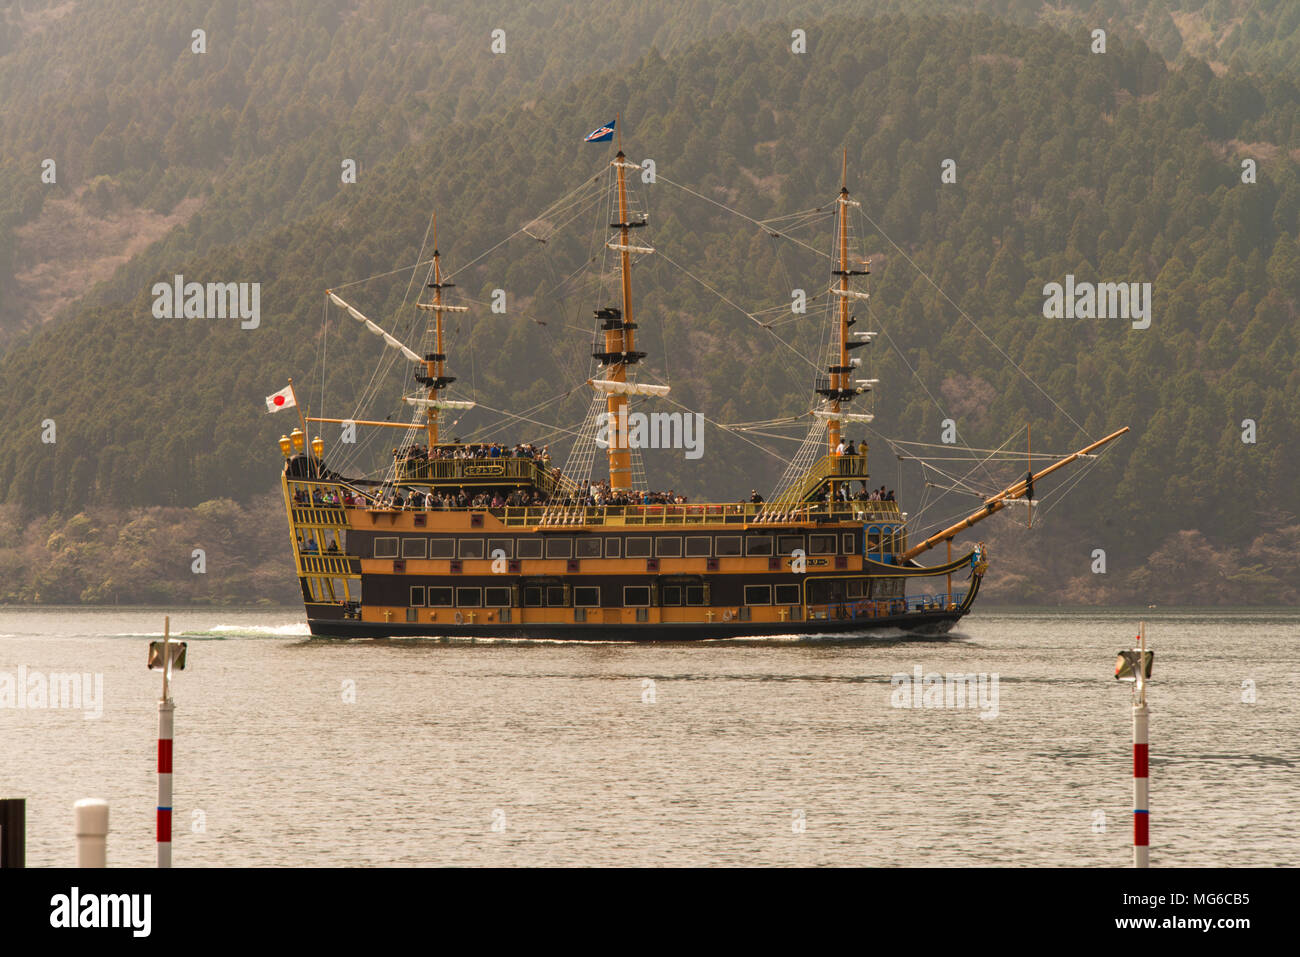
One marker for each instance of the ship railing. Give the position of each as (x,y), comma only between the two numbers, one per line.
(725,514)
(935,602)
(329,563)
(506,468)
(828,466)
(854,609)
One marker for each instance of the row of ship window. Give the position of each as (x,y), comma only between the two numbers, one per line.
(553,596)
(664,546)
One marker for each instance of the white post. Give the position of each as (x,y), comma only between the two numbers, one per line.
(1141,809)
(166,708)
(91,820)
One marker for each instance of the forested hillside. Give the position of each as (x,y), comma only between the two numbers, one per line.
(154,143)
(1107,167)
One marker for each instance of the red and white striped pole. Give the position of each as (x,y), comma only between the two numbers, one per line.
(1141,810)
(166,707)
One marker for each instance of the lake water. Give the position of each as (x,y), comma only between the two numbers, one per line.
(294,751)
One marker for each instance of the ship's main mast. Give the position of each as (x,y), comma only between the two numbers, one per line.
(619,349)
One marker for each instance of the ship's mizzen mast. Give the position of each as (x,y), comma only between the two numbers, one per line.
(997,502)
(434,378)
(619,350)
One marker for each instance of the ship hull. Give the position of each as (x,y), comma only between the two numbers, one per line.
(911,624)
(631,574)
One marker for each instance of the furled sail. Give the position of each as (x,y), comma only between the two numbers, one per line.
(609,386)
(409,353)
(439,403)
(844,416)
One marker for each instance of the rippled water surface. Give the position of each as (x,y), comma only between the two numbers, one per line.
(774,752)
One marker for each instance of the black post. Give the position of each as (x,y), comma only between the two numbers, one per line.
(13,832)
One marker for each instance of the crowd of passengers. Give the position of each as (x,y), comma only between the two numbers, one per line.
(490,450)
(845,494)
(599,494)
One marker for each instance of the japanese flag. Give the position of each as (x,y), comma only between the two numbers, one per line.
(281,400)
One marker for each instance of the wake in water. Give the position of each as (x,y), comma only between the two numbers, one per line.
(297,629)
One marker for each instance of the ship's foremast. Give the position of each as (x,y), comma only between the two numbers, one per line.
(435,378)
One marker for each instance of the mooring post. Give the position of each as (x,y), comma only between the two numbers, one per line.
(13,832)
(1135,665)
(166,709)
(1141,796)
(91,821)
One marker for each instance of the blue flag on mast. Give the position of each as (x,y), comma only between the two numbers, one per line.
(602,135)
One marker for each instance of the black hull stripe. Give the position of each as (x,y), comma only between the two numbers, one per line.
(922,623)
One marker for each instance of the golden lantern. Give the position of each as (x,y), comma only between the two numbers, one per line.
(297,438)
(286,446)
(317,446)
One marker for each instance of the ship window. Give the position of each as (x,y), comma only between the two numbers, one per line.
(886,538)
(471,548)
(695,594)
(758,594)
(787,544)
(496,597)
(822,591)
(506,545)
(414,547)
(727,545)
(849,543)
(671,595)
(787,594)
(442,548)
(385,547)
(821,544)
(668,547)
(758,545)
(555,596)
(699,546)
(417,595)
(857,588)
(439,597)
(586,597)
(636,596)
(533,597)
(469,597)
(612,547)
(638,547)
(529,548)
(559,548)
(873,538)
(586,548)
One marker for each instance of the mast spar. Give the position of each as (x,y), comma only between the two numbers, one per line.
(995,503)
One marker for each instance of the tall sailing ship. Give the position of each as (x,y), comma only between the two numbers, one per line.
(494,540)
